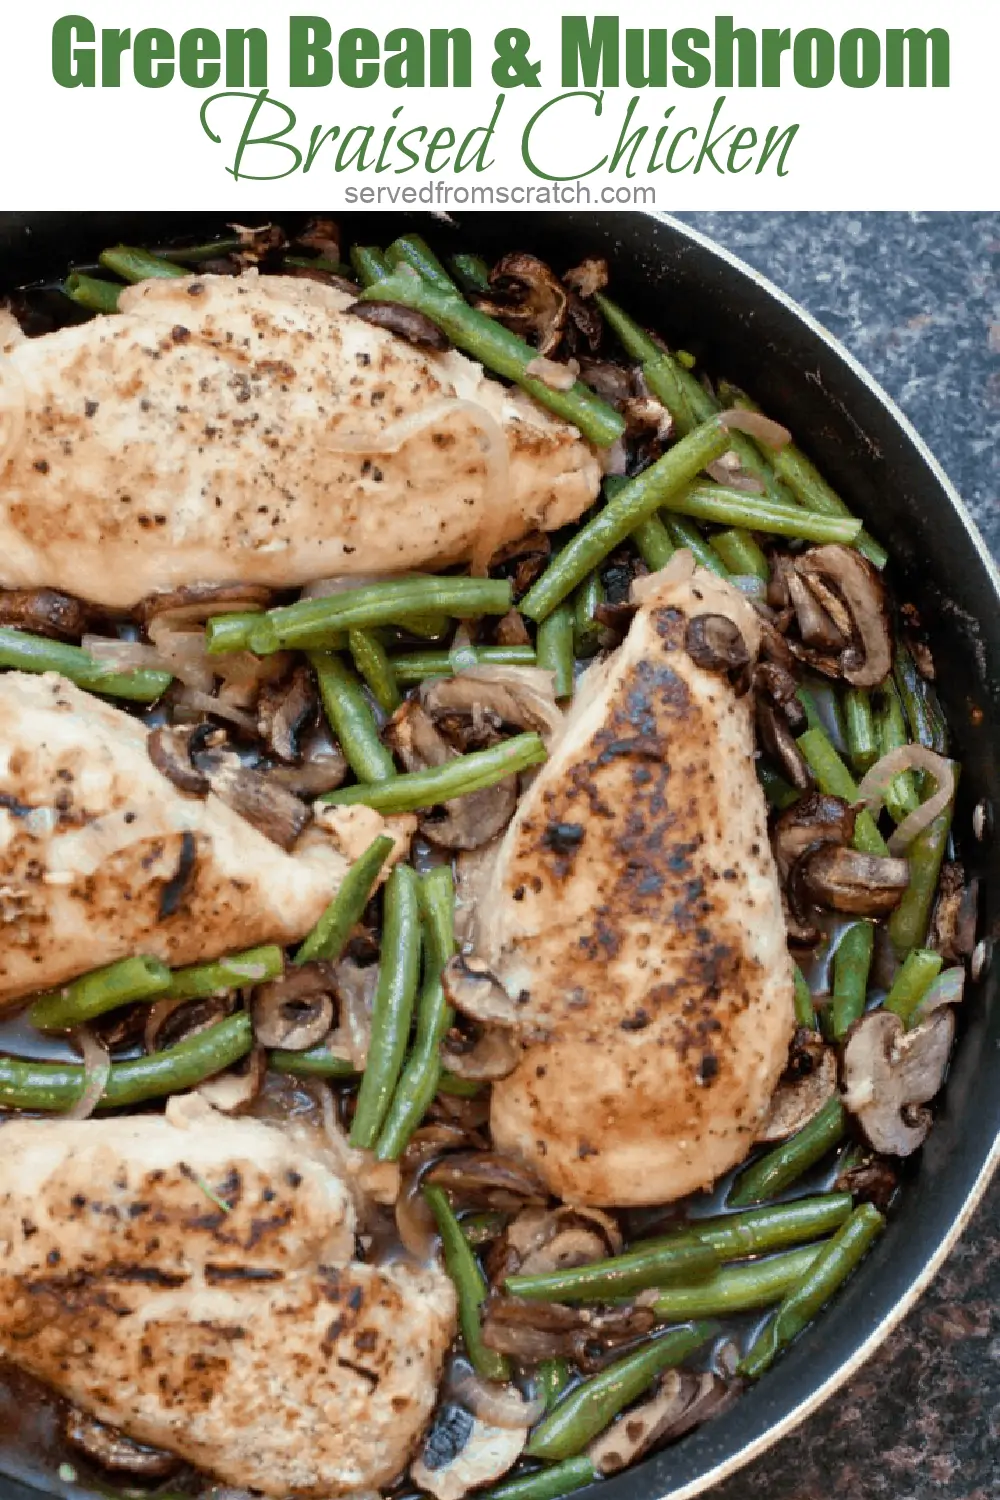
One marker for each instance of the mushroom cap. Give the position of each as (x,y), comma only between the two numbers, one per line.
(888,1073)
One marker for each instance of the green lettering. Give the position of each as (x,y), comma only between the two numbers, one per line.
(357,59)
(688,130)
(365,132)
(246,58)
(860,58)
(589,52)
(814,58)
(636,75)
(405,70)
(634,141)
(73,39)
(744,140)
(746,41)
(772,45)
(441,140)
(153,57)
(198,58)
(693,70)
(310,65)
(451,58)
(772,141)
(526,156)
(916,43)
(113,44)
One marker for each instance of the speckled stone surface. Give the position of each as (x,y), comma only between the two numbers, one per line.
(914,297)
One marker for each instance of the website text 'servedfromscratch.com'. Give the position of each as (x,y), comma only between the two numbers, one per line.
(520,195)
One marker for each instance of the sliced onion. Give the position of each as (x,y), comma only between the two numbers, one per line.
(756,425)
(415,1221)
(185,652)
(551,373)
(96,1072)
(499,1405)
(206,704)
(326,588)
(876,782)
(124,655)
(678,570)
(947,989)
(733,476)
(12,409)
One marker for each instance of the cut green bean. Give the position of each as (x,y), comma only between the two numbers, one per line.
(316,263)
(901,795)
(460,1088)
(470,1287)
(482,1228)
(805,1011)
(392,1009)
(835,780)
(741,554)
(919,970)
(420,1077)
(328,938)
(684,533)
(772,1227)
(372,661)
(836,1261)
(416,666)
(34,653)
(193,255)
(739,1288)
(98,992)
(923,714)
(410,250)
(48,1087)
(232,632)
(632,505)
(851,966)
(862,743)
(92,293)
(370,265)
(909,922)
(554,649)
(780,794)
(316,1062)
(586,626)
(722,507)
(681,1257)
(594,1403)
(502,353)
(466,773)
(133,264)
(776,1171)
(549,1483)
(351,720)
(652,540)
(472,274)
(552,1377)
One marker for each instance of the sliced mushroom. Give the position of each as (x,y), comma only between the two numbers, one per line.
(259,241)
(955,917)
(846,880)
(170,1021)
(464,822)
(682,1401)
(715,644)
(585,322)
(296,1011)
(322,766)
(534,302)
(236,1090)
(485,1179)
(889,1073)
(472,988)
(532,1331)
(543,1240)
(462,1453)
(480,1055)
(415,327)
(590,276)
(44,612)
(615,383)
(799,930)
(284,709)
(321,235)
(170,752)
(197,601)
(813,820)
(521,696)
(874,1182)
(867,659)
(511,630)
(816,627)
(777,739)
(273,811)
(809,1083)
(114,1451)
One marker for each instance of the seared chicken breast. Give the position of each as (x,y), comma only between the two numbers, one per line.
(197,1289)
(635,914)
(102,857)
(220,429)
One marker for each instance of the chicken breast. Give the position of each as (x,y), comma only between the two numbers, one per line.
(636,915)
(220,429)
(196,1288)
(101,856)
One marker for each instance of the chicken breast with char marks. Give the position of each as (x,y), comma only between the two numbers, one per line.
(102,857)
(221,429)
(197,1289)
(636,914)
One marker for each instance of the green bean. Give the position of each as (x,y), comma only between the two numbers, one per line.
(372,661)
(552,1378)
(919,970)
(392,1009)
(862,744)
(100,991)
(133,264)
(328,938)
(549,1483)
(91,292)
(465,773)
(350,718)
(586,626)
(909,922)
(57,1086)
(483,1228)
(317,263)
(652,540)
(924,717)
(422,1073)
(835,780)
(823,711)
(312,622)
(192,255)
(772,1173)
(416,666)
(34,653)
(554,649)
(805,1011)
(459,1088)
(779,793)
(680,1257)
(772,1227)
(470,1287)
(227,633)
(633,504)
(723,507)
(741,554)
(410,250)
(739,1288)
(370,265)
(851,965)
(472,274)
(836,1261)
(316,1062)
(502,353)
(901,795)
(235,972)
(684,533)
(594,1403)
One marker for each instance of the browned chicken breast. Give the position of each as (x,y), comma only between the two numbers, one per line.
(636,915)
(221,429)
(102,857)
(196,1288)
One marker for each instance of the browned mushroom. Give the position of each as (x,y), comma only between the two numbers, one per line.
(257,242)
(590,276)
(405,322)
(284,709)
(465,822)
(532,300)
(814,819)
(521,696)
(873,1181)
(511,630)
(170,752)
(296,1011)
(532,1331)
(480,1054)
(816,627)
(799,930)
(809,1082)
(682,1401)
(867,659)
(715,644)
(955,917)
(777,739)
(462,1453)
(546,1239)
(889,1073)
(472,988)
(846,880)
(197,601)
(273,811)
(114,1451)
(234,1091)
(585,322)
(172,1020)
(44,612)
(322,768)
(615,383)
(485,1179)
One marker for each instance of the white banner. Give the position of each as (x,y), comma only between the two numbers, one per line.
(769,104)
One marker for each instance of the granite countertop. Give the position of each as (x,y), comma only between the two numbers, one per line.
(916,297)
